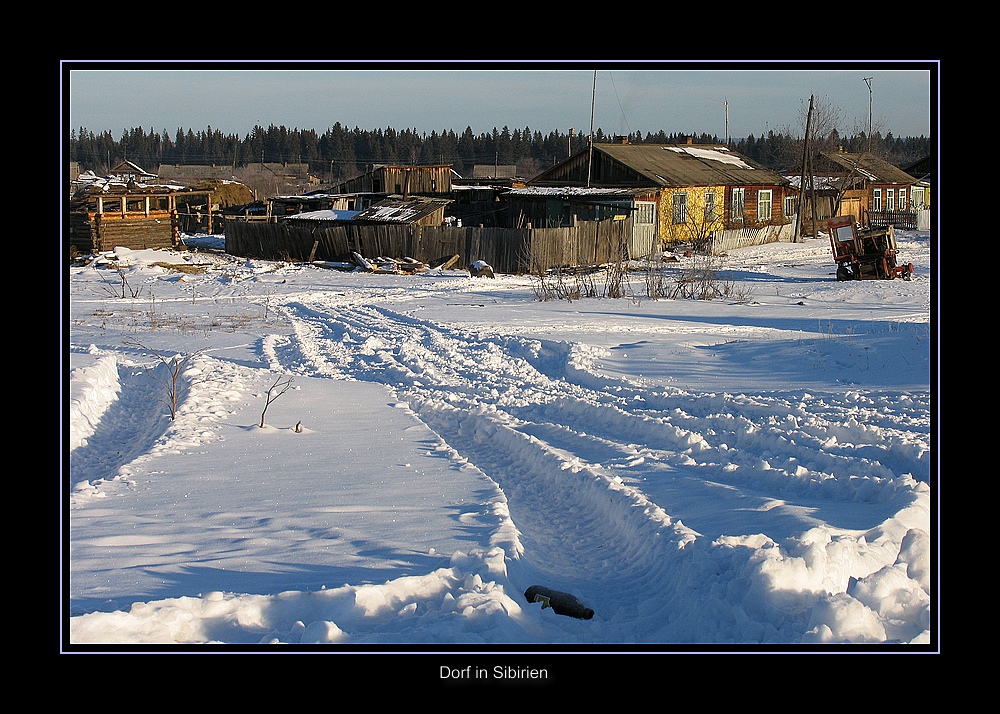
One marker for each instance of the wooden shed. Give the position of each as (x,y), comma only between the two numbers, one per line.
(135,218)
(405,180)
(416,210)
(568,206)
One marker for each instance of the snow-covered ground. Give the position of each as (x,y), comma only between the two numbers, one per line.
(751,472)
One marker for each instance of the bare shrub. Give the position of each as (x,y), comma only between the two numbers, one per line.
(174,386)
(277,389)
(701,281)
(125,287)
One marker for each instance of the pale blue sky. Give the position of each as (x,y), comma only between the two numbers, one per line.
(646,96)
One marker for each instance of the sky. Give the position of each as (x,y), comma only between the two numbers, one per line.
(756,471)
(720,98)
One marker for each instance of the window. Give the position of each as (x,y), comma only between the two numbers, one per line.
(890,199)
(709,206)
(917,196)
(739,203)
(763,205)
(877,199)
(680,208)
(789,206)
(902,199)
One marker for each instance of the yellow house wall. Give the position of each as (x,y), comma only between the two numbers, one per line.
(695,227)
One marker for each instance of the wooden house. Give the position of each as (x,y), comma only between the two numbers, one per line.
(872,190)
(402,180)
(699,191)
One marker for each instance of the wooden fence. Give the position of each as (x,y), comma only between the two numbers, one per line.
(506,250)
(734,238)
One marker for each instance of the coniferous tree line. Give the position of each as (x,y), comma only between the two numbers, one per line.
(340,153)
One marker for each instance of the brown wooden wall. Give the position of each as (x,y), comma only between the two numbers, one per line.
(507,250)
(100,233)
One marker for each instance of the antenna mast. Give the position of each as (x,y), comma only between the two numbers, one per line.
(868,81)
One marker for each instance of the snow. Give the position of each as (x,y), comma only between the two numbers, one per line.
(715,154)
(752,473)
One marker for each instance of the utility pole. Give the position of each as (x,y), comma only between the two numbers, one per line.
(590,157)
(726,102)
(802,179)
(868,81)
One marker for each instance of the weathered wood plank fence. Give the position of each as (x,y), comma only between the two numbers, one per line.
(507,250)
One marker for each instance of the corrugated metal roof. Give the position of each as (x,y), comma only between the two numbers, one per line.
(396,209)
(327,214)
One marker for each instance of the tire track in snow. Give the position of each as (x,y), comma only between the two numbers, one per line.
(596,476)
(465,388)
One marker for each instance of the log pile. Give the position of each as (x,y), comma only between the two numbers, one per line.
(390,266)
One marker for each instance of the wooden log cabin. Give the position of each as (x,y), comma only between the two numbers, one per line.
(133,218)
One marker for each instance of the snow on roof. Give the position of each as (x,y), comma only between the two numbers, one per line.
(714,154)
(326,215)
(105,184)
(570,191)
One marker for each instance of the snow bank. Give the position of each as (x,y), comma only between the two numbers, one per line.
(92,389)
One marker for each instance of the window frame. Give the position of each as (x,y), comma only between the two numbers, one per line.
(678,208)
(765,199)
(738,208)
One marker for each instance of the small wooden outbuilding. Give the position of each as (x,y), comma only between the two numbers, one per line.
(130,217)
(405,180)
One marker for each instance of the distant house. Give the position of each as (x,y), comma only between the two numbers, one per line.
(127,171)
(925,173)
(264,179)
(699,192)
(871,189)
(190,174)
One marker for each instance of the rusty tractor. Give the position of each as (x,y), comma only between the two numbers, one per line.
(865,253)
